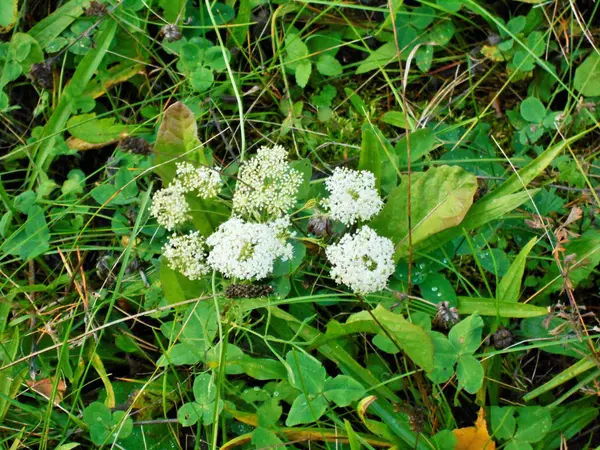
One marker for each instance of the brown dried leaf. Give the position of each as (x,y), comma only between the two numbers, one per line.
(44,387)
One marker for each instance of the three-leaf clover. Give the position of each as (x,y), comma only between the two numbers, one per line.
(309,376)
(105,426)
(205,407)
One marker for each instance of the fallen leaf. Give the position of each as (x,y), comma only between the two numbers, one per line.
(474,438)
(81,145)
(44,387)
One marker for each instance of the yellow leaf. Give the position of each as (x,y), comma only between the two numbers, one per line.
(474,438)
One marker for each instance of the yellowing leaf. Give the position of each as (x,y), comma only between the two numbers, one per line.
(474,438)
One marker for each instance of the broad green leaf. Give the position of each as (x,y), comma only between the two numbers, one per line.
(379,58)
(466,334)
(424,58)
(533,423)
(188,414)
(263,438)
(510,284)
(436,288)
(296,53)
(177,137)
(343,390)
(176,287)
(503,421)
(202,79)
(587,76)
(586,249)
(204,388)
(411,338)
(172,9)
(482,212)
(532,110)
(470,373)
(122,423)
(440,199)
(306,410)
(514,444)
(369,154)
(444,358)
(90,129)
(421,142)
(9,11)
(239,32)
(445,439)
(492,307)
(303,71)
(329,66)
(308,374)
(27,50)
(177,140)
(181,354)
(395,118)
(96,412)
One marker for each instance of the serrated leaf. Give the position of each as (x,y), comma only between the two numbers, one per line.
(329,66)
(303,71)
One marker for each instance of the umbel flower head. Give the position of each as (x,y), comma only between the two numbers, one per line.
(362,261)
(169,206)
(266,184)
(187,254)
(352,195)
(202,180)
(246,250)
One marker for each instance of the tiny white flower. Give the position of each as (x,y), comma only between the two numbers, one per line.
(247,250)
(187,254)
(362,261)
(266,184)
(169,206)
(206,182)
(352,195)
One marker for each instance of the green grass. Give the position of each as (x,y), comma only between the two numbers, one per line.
(480,125)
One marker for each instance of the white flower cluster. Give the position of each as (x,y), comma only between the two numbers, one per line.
(186,254)
(266,184)
(206,182)
(352,195)
(362,261)
(247,250)
(169,206)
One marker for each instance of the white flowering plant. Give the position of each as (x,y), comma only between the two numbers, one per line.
(264,231)
(270,221)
